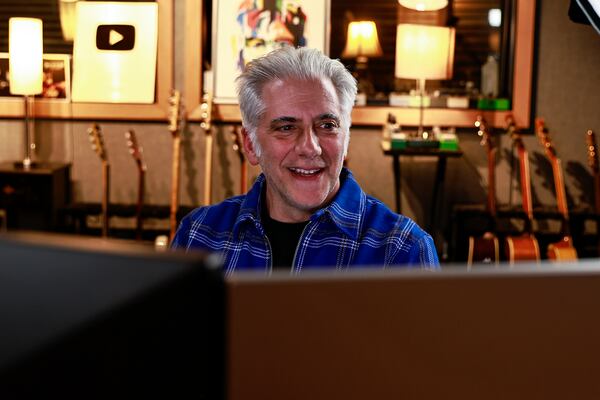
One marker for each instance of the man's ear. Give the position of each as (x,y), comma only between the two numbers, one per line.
(249,147)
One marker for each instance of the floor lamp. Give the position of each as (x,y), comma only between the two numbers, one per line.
(424,52)
(25,51)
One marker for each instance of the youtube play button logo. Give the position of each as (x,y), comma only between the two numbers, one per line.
(115,37)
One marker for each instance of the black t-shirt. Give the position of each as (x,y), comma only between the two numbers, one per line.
(283,238)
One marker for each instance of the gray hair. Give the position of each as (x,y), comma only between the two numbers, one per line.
(291,63)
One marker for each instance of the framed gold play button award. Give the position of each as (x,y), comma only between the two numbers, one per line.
(114,52)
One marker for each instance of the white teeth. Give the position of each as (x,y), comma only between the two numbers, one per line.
(305,171)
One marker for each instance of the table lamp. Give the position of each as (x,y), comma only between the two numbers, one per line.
(424,52)
(362,42)
(68,14)
(424,5)
(25,51)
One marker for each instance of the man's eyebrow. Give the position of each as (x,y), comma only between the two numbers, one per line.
(279,120)
(276,121)
(327,116)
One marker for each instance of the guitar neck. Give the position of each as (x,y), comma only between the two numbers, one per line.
(525,184)
(105,196)
(140,203)
(559,187)
(208,167)
(175,186)
(491,200)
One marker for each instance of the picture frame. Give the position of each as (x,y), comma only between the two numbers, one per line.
(56,82)
(241,33)
(157,111)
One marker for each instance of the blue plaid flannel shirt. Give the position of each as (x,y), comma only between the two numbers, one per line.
(353,230)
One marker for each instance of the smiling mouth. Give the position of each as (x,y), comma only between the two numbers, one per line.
(306,172)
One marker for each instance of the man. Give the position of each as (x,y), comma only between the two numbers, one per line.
(305,210)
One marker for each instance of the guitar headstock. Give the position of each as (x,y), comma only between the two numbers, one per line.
(542,133)
(134,148)
(592,151)
(512,132)
(483,132)
(237,142)
(206,111)
(175,112)
(97,140)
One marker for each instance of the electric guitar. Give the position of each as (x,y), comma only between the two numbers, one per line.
(175,130)
(524,247)
(563,249)
(136,152)
(237,147)
(206,125)
(485,249)
(97,141)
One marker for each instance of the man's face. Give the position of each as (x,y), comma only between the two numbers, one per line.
(303,145)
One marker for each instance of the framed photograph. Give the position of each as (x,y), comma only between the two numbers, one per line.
(244,30)
(56,81)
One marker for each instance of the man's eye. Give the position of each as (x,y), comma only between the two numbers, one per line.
(285,128)
(328,125)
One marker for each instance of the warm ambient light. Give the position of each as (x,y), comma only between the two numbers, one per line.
(68,18)
(362,40)
(495,17)
(25,50)
(424,5)
(424,51)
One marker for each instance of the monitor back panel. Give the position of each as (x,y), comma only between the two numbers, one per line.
(479,335)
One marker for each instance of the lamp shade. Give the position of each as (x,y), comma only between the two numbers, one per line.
(424,51)
(68,15)
(362,40)
(424,5)
(25,51)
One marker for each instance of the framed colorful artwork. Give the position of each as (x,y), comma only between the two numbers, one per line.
(56,82)
(246,29)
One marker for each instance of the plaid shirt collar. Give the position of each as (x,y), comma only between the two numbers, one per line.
(345,210)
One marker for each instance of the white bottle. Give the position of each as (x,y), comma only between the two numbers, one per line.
(489,77)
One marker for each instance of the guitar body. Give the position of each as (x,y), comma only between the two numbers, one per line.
(562,250)
(521,248)
(484,249)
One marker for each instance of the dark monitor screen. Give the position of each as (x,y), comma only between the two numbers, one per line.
(91,318)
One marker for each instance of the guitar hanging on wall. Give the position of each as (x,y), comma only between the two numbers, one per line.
(524,247)
(175,130)
(485,249)
(97,141)
(563,249)
(237,147)
(206,125)
(595,166)
(136,152)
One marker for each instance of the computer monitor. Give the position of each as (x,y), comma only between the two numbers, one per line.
(531,332)
(91,318)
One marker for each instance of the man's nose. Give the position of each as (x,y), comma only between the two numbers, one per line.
(307,144)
